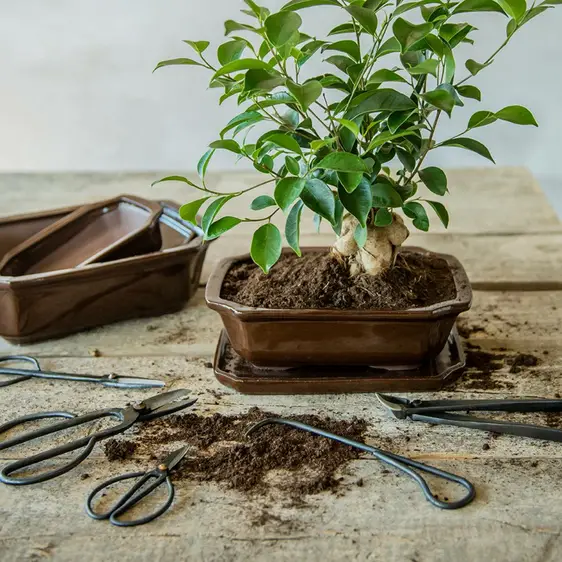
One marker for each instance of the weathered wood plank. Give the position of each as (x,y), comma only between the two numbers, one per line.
(476,196)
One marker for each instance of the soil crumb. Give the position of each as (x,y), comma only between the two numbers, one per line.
(275,456)
(522,360)
(119,449)
(320,280)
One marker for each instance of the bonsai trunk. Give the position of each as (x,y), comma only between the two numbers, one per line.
(380,250)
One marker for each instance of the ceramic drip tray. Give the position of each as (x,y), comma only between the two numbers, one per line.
(127,280)
(102,231)
(241,375)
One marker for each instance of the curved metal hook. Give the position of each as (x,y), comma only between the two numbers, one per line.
(403,464)
(19,378)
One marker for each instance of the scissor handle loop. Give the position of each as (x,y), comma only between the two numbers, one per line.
(21,378)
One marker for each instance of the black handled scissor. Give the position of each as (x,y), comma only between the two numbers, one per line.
(114,381)
(152,408)
(146,483)
(439,412)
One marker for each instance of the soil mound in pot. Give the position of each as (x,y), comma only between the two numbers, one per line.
(320,280)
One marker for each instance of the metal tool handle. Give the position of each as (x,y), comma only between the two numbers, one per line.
(403,464)
(126,417)
(131,498)
(496,426)
(523,406)
(20,374)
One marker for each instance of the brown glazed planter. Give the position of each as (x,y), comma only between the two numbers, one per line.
(44,305)
(292,338)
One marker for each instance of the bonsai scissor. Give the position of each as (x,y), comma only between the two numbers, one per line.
(146,483)
(35,371)
(150,409)
(440,412)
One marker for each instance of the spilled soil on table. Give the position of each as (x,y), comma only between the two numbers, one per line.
(275,456)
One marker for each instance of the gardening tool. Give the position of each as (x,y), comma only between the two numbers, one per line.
(152,408)
(160,475)
(403,464)
(438,412)
(111,380)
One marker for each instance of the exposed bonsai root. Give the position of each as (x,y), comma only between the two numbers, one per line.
(380,250)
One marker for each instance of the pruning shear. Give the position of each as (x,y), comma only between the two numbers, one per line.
(139,491)
(439,412)
(111,380)
(147,410)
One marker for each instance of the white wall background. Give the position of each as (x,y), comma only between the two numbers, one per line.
(77,92)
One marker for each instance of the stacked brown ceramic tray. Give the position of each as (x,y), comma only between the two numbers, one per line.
(67,270)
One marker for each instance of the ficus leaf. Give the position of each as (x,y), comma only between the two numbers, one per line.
(383,217)
(292,227)
(350,180)
(287,191)
(292,165)
(350,125)
(470,92)
(262,202)
(408,33)
(230,51)
(230,26)
(477,6)
(176,178)
(260,80)
(203,163)
(475,67)
(221,226)
(384,195)
(281,27)
(366,17)
(266,246)
(441,212)
(382,100)
(435,179)
(306,94)
(417,212)
(513,8)
(517,114)
(343,162)
(176,62)
(247,118)
(241,64)
(428,66)
(282,140)
(469,144)
(188,212)
(441,99)
(358,203)
(301,4)
(226,144)
(318,197)
(481,119)
(212,211)
(385,75)
(198,46)
(348,47)
(360,235)
(391,45)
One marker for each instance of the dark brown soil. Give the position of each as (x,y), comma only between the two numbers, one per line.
(222,452)
(522,360)
(320,280)
(119,449)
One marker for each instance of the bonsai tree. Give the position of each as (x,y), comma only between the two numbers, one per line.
(328,143)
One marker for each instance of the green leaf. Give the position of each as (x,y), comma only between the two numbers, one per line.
(342,29)
(517,114)
(198,46)
(383,217)
(385,75)
(281,27)
(280,139)
(231,26)
(262,202)
(287,191)
(435,180)
(417,212)
(176,178)
(221,226)
(348,47)
(343,162)
(513,8)
(441,99)
(471,92)
(260,80)
(266,246)
(293,227)
(451,90)
(441,212)
(306,94)
(360,235)
(230,51)
(212,211)
(226,144)
(292,166)
(428,66)
(308,50)
(469,144)
(247,118)
(350,180)
(397,118)
(481,119)
(203,164)
(301,4)
(188,212)
(318,197)
(382,100)
(176,62)
(454,33)
(408,33)
(341,62)
(384,195)
(367,18)
(477,6)
(475,67)
(383,138)
(350,125)
(391,45)
(258,11)
(241,64)
(358,203)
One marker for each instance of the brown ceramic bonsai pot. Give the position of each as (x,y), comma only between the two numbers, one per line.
(296,337)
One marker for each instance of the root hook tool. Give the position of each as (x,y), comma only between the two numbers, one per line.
(150,409)
(439,412)
(403,464)
(112,381)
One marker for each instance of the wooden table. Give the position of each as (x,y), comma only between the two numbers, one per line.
(510,241)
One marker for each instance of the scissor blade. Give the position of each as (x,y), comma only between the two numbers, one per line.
(173,459)
(166,403)
(132,382)
(395,405)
